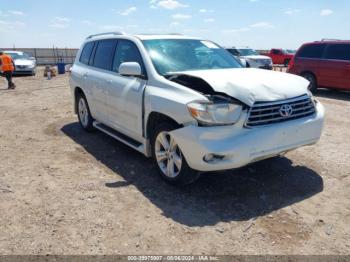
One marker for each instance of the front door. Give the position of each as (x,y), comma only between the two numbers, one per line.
(125,93)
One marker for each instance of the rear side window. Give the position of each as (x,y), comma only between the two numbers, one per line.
(127,51)
(86,53)
(312,51)
(338,52)
(104,54)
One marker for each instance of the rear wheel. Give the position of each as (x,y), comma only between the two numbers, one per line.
(167,155)
(85,119)
(313,82)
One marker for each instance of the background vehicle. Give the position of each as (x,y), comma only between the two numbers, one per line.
(279,56)
(291,51)
(324,64)
(189,104)
(241,60)
(23,62)
(251,58)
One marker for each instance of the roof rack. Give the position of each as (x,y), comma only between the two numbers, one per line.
(160,34)
(107,33)
(330,39)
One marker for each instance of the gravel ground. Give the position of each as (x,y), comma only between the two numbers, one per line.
(64,191)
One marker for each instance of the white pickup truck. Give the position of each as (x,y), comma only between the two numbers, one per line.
(190,104)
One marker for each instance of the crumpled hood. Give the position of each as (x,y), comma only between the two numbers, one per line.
(250,85)
(23,62)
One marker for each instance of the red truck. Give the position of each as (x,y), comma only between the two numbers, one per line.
(280,56)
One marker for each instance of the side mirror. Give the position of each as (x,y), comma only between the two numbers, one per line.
(32,58)
(130,69)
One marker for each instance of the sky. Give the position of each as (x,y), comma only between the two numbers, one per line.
(260,24)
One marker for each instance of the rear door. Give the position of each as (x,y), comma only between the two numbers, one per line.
(99,77)
(336,66)
(81,71)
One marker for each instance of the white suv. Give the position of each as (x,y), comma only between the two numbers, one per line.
(251,58)
(189,104)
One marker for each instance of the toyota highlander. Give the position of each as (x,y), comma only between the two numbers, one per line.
(189,104)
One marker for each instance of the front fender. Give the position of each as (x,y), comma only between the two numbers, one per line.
(170,102)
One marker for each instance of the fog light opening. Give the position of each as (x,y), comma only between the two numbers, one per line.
(210,158)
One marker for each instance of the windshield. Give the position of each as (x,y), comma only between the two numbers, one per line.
(247,52)
(16,56)
(176,55)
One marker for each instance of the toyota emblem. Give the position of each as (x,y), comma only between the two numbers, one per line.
(286,110)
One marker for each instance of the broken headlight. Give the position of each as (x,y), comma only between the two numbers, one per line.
(215,114)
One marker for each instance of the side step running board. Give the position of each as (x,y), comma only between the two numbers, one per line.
(120,137)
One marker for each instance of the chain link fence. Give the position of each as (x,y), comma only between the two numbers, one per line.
(49,56)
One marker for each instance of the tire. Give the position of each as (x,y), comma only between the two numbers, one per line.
(313,82)
(179,174)
(84,115)
(286,62)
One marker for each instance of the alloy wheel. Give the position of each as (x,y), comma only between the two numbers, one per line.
(83,112)
(168,155)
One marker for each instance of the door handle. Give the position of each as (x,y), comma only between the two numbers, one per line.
(85,75)
(109,81)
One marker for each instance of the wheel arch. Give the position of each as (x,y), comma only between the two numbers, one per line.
(77,91)
(309,72)
(155,118)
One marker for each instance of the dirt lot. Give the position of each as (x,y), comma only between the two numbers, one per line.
(64,191)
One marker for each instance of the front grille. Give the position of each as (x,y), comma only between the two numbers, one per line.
(266,113)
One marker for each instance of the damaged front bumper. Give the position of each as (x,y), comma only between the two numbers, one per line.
(228,147)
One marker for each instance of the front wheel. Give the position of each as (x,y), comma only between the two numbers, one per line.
(168,157)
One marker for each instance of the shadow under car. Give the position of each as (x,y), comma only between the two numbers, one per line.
(234,195)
